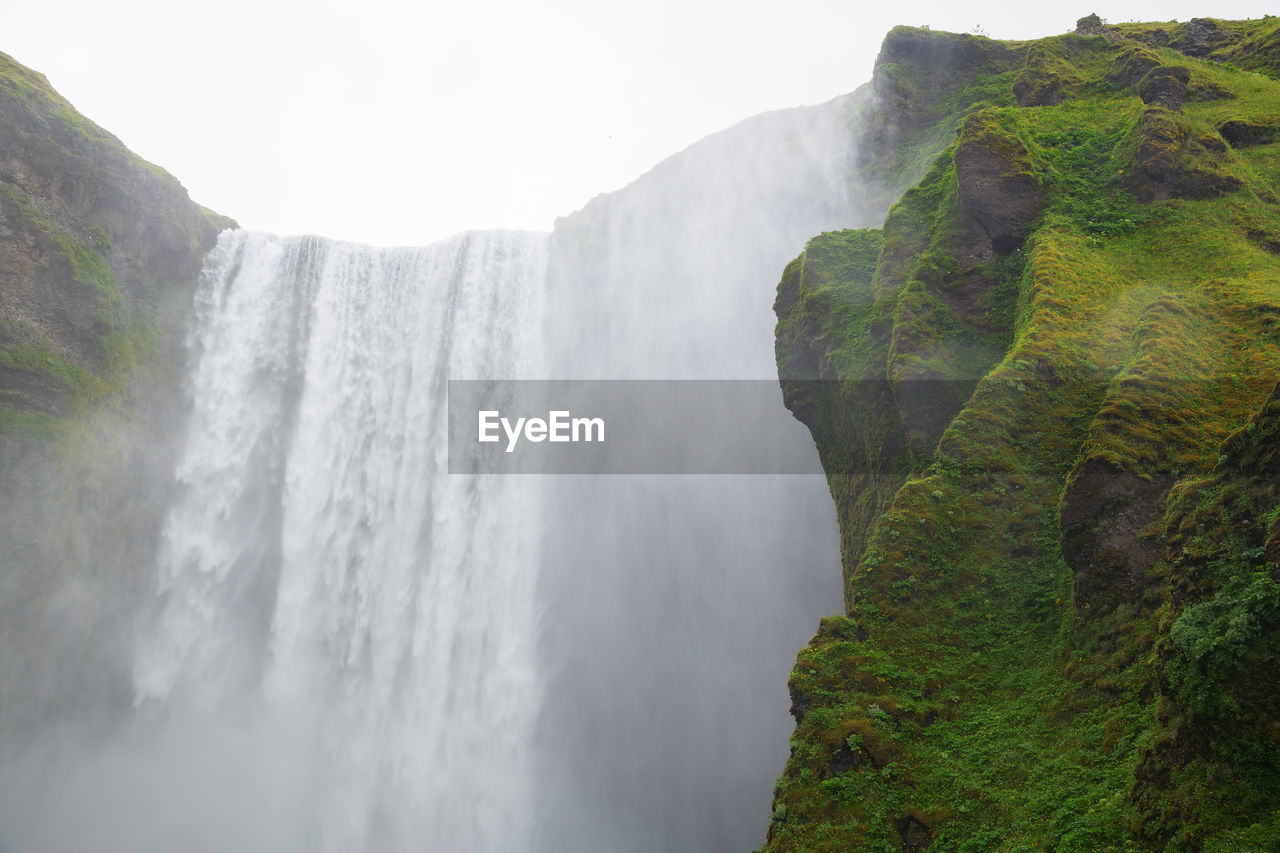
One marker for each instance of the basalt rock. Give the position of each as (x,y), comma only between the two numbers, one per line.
(1038,89)
(1200,37)
(997,191)
(1165,86)
(1164,166)
(1130,65)
(1243,134)
(1105,513)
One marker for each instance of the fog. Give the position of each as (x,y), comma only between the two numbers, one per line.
(673,606)
(329,642)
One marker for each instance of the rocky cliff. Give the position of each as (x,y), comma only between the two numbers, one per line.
(99,256)
(1045,395)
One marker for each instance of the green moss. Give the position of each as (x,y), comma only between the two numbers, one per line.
(89,267)
(29,426)
(73,378)
(1085,174)
(1249,45)
(964,702)
(32,91)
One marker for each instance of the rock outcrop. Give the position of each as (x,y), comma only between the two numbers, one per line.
(1046,410)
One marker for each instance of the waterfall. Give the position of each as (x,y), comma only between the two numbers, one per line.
(349,649)
(339,656)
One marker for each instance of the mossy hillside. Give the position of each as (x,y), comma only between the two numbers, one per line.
(1249,45)
(1213,774)
(878,352)
(922,86)
(996,683)
(103,248)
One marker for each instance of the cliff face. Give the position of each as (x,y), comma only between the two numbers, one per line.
(98,247)
(1046,402)
(99,256)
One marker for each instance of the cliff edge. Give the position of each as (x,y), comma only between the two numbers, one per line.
(1045,394)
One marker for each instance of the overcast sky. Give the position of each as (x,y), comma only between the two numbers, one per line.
(400,123)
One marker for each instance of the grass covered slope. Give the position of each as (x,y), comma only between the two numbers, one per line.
(1046,404)
(96,248)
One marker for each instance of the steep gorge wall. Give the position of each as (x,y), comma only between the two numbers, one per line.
(1061,628)
(99,256)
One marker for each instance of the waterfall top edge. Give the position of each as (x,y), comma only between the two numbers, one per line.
(518,233)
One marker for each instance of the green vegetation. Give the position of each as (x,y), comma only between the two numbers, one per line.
(32,93)
(101,253)
(97,238)
(40,361)
(29,426)
(1047,417)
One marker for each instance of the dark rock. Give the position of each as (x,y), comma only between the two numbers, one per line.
(799,704)
(1242,134)
(1089,25)
(1196,183)
(913,66)
(1206,90)
(1200,37)
(1038,89)
(1212,142)
(1161,137)
(1155,37)
(1165,168)
(1092,25)
(1165,86)
(913,835)
(1265,239)
(1103,513)
(997,192)
(846,759)
(1131,64)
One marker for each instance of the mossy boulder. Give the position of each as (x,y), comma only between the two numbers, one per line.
(1158,139)
(1242,134)
(1131,64)
(1165,86)
(1166,166)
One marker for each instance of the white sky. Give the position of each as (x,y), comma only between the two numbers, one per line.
(400,123)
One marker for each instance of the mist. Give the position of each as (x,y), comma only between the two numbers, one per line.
(320,639)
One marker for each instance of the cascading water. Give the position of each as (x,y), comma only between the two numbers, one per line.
(352,650)
(340,655)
